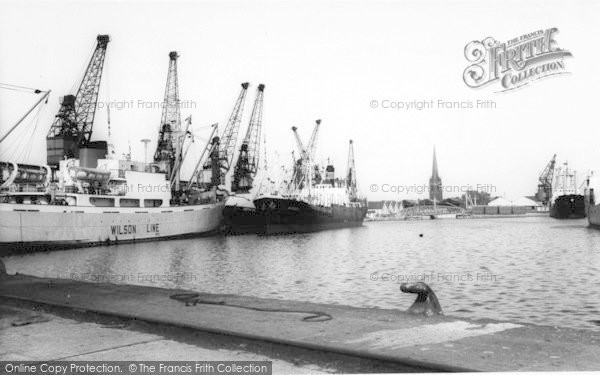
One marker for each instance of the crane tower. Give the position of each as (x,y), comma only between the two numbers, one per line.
(248,158)
(72,127)
(170,123)
(544,192)
(351,174)
(307,155)
(223,148)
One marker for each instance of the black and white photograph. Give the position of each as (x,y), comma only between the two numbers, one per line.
(299,187)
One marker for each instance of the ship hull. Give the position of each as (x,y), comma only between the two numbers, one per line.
(570,206)
(281,216)
(240,215)
(242,220)
(35,228)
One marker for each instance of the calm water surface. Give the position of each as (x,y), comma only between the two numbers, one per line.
(537,270)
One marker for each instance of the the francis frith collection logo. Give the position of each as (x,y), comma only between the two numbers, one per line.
(514,63)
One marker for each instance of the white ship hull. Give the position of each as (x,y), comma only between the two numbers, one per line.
(34,227)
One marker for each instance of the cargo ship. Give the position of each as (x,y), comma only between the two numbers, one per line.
(304,201)
(566,202)
(84,196)
(119,201)
(328,206)
(315,203)
(280,215)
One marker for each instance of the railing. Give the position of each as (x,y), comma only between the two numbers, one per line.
(18,188)
(429,210)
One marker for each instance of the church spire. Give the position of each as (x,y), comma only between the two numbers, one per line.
(434,172)
(435,182)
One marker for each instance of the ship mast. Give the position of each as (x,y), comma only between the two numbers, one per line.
(180,138)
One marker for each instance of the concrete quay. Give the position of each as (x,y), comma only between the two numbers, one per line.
(438,343)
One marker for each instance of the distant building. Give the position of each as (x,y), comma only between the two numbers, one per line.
(435,182)
(508,206)
(375,205)
(519,202)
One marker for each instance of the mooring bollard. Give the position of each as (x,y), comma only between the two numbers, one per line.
(426,302)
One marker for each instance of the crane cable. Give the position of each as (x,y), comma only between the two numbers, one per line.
(8,86)
(23,149)
(81,75)
(37,122)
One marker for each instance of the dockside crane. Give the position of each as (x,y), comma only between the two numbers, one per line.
(170,123)
(248,158)
(351,174)
(299,168)
(546,178)
(312,146)
(299,144)
(207,148)
(223,148)
(72,127)
(312,142)
(307,154)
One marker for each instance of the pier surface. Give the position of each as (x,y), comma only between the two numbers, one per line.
(426,343)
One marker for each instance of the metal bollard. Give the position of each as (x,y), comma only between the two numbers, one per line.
(426,302)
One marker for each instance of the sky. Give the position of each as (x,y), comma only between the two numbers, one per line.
(319,60)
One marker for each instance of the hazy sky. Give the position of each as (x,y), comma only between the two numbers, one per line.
(321,60)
